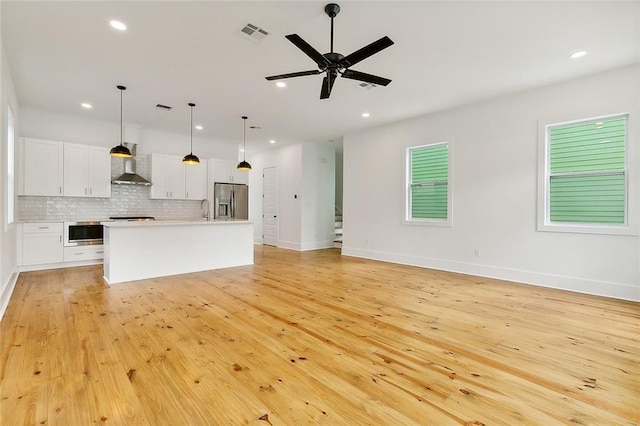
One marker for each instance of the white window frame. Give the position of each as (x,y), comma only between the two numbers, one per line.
(630,227)
(408,220)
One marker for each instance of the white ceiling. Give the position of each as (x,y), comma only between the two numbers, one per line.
(445,54)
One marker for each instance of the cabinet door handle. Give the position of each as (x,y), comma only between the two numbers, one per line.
(100,252)
(43,227)
(60,190)
(85,191)
(90,191)
(60,238)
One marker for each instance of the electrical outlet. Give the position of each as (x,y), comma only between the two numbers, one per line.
(476,252)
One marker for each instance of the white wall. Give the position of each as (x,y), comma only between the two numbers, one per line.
(318,195)
(41,124)
(306,190)
(494,192)
(8,249)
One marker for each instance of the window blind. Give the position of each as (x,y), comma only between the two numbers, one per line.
(587,178)
(429,181)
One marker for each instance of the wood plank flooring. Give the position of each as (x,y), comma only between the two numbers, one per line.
(314,338)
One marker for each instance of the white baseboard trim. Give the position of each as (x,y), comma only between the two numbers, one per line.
(579,285)
(29,268)
(8,291)
(318,245)
(288,245)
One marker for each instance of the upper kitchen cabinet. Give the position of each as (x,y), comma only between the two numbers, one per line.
(168,177)
(196,181)
(225,171)
(87,171)
(42,167)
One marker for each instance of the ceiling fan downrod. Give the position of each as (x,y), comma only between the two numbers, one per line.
(332,10)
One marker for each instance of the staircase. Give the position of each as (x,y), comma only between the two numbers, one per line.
(337,240)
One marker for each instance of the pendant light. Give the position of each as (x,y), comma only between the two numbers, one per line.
(120,150)
(190,158)
(243,165)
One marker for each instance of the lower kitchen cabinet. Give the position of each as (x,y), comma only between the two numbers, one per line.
(83,253)
(42,243)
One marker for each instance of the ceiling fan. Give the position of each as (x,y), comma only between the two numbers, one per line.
(334,63)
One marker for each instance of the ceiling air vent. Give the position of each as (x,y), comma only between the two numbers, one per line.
(367,86)
(163,107)
(253,32)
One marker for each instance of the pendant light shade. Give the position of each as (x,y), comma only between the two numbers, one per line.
(190,158)
(243,165)
(120,150)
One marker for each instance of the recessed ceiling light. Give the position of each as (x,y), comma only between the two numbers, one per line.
(366,114)
(198,127)
(272,141)
(241,149)
(86,105)
(117,25)
(578,54)
(281,84)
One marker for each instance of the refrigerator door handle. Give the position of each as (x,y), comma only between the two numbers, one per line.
(233,205)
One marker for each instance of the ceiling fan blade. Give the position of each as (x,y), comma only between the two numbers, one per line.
(293,74)
(310,51)
(365,52)
(327,85)
(369,78)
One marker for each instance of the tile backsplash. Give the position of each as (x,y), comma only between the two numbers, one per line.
(126,200)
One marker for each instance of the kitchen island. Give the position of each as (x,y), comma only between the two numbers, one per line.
(141,250)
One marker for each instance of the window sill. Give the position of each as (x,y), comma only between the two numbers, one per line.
(428,222)
(588,229)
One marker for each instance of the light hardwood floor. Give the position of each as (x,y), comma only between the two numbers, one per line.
(314,338)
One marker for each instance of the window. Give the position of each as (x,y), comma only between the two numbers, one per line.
(428,188)
(586,175)
(10,166)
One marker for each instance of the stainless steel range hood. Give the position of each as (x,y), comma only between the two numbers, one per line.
(130,177)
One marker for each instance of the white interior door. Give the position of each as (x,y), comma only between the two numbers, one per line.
(270,206)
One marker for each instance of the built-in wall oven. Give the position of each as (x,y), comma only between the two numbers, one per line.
(82,233)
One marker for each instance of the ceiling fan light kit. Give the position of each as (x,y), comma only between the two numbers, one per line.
(333,64)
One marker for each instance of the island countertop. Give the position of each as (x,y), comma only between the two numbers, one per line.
(169,222)
(139,250)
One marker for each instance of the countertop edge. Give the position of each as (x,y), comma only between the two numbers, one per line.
(151,223)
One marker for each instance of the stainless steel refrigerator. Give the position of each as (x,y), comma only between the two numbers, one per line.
(231,201)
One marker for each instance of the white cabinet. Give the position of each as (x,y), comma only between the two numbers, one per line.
(196,181)
(83,253)
(225,171)
(87,171)
(168,177)
(42,243)
(42,167)
(175,181)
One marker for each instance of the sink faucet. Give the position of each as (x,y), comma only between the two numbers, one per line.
(204,208)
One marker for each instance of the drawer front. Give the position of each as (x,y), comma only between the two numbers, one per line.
(83,253)
(32,228)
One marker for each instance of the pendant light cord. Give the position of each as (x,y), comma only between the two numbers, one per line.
(191,128)
(244,139)
(121,130)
